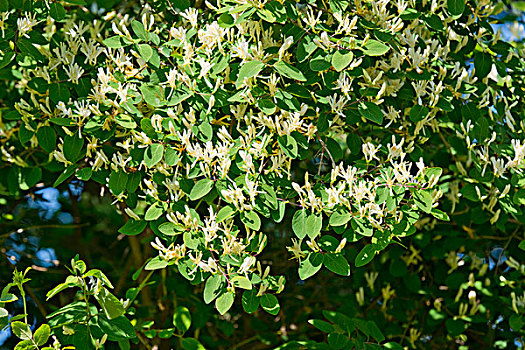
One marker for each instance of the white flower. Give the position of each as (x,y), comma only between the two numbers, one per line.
(295,249)
(286,44)
(67,331)
(499,166)
(74,72)
(205,67)
(248,262)
(395,150)
(370,150)
(92,50)
(171,77)
(191,16)
(25,24)
(131,213)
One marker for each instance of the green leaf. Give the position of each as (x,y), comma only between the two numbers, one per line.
(156,263)
(155,211)
(289,71)
(321,325)
(423,200)
(320,63)
(8,298)
(266,106)
(61,287)
(30,177)
(59,92)
(62,121)
(126,121)
(139,30)
(483,64)
(299,225)
(328,243)
(311,265)
(84,174)
(434,22)
(393,346)
(225,213)
(117,182)
(27,48)
(250,301)
(24,134)
(365,255)
(455,327)
(375,48)
(171,229)
(354,144)
(306,47)
(212,288)
(362,227)
(314,223)
(241,282)
(226,20)
(374,331)
(201,188)
(249,70)
(47,138)
(191,344)
(337,263)
(182,319)
(339,6)
(153,154)
(456,7)
(25,345)
(516,322)
(191,240)
(522,245)
(171,157)
(341,59)
(371,112)
(42,334)
(418,113)
(251,219)
(153,95)
(266,15)
(133,227)
(288,145)
(21,330)
(70,170)
(116,42)
(338,341)
(440,215)
(4,5)
(340,217)
(118,328)
(110,304)
(7,58)
(145,52)
(224,302)
(72,147)
(270,304)
(57,11)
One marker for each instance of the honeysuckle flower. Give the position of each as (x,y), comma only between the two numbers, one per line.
(236,137)
(370,150)
(74,72)
(25,24)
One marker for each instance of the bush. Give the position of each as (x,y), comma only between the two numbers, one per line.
(248,146)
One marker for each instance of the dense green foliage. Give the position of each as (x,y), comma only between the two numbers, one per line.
(263,174)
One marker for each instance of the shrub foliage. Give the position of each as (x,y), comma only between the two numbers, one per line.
(260,154)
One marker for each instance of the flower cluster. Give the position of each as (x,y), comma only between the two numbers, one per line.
(211,129)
